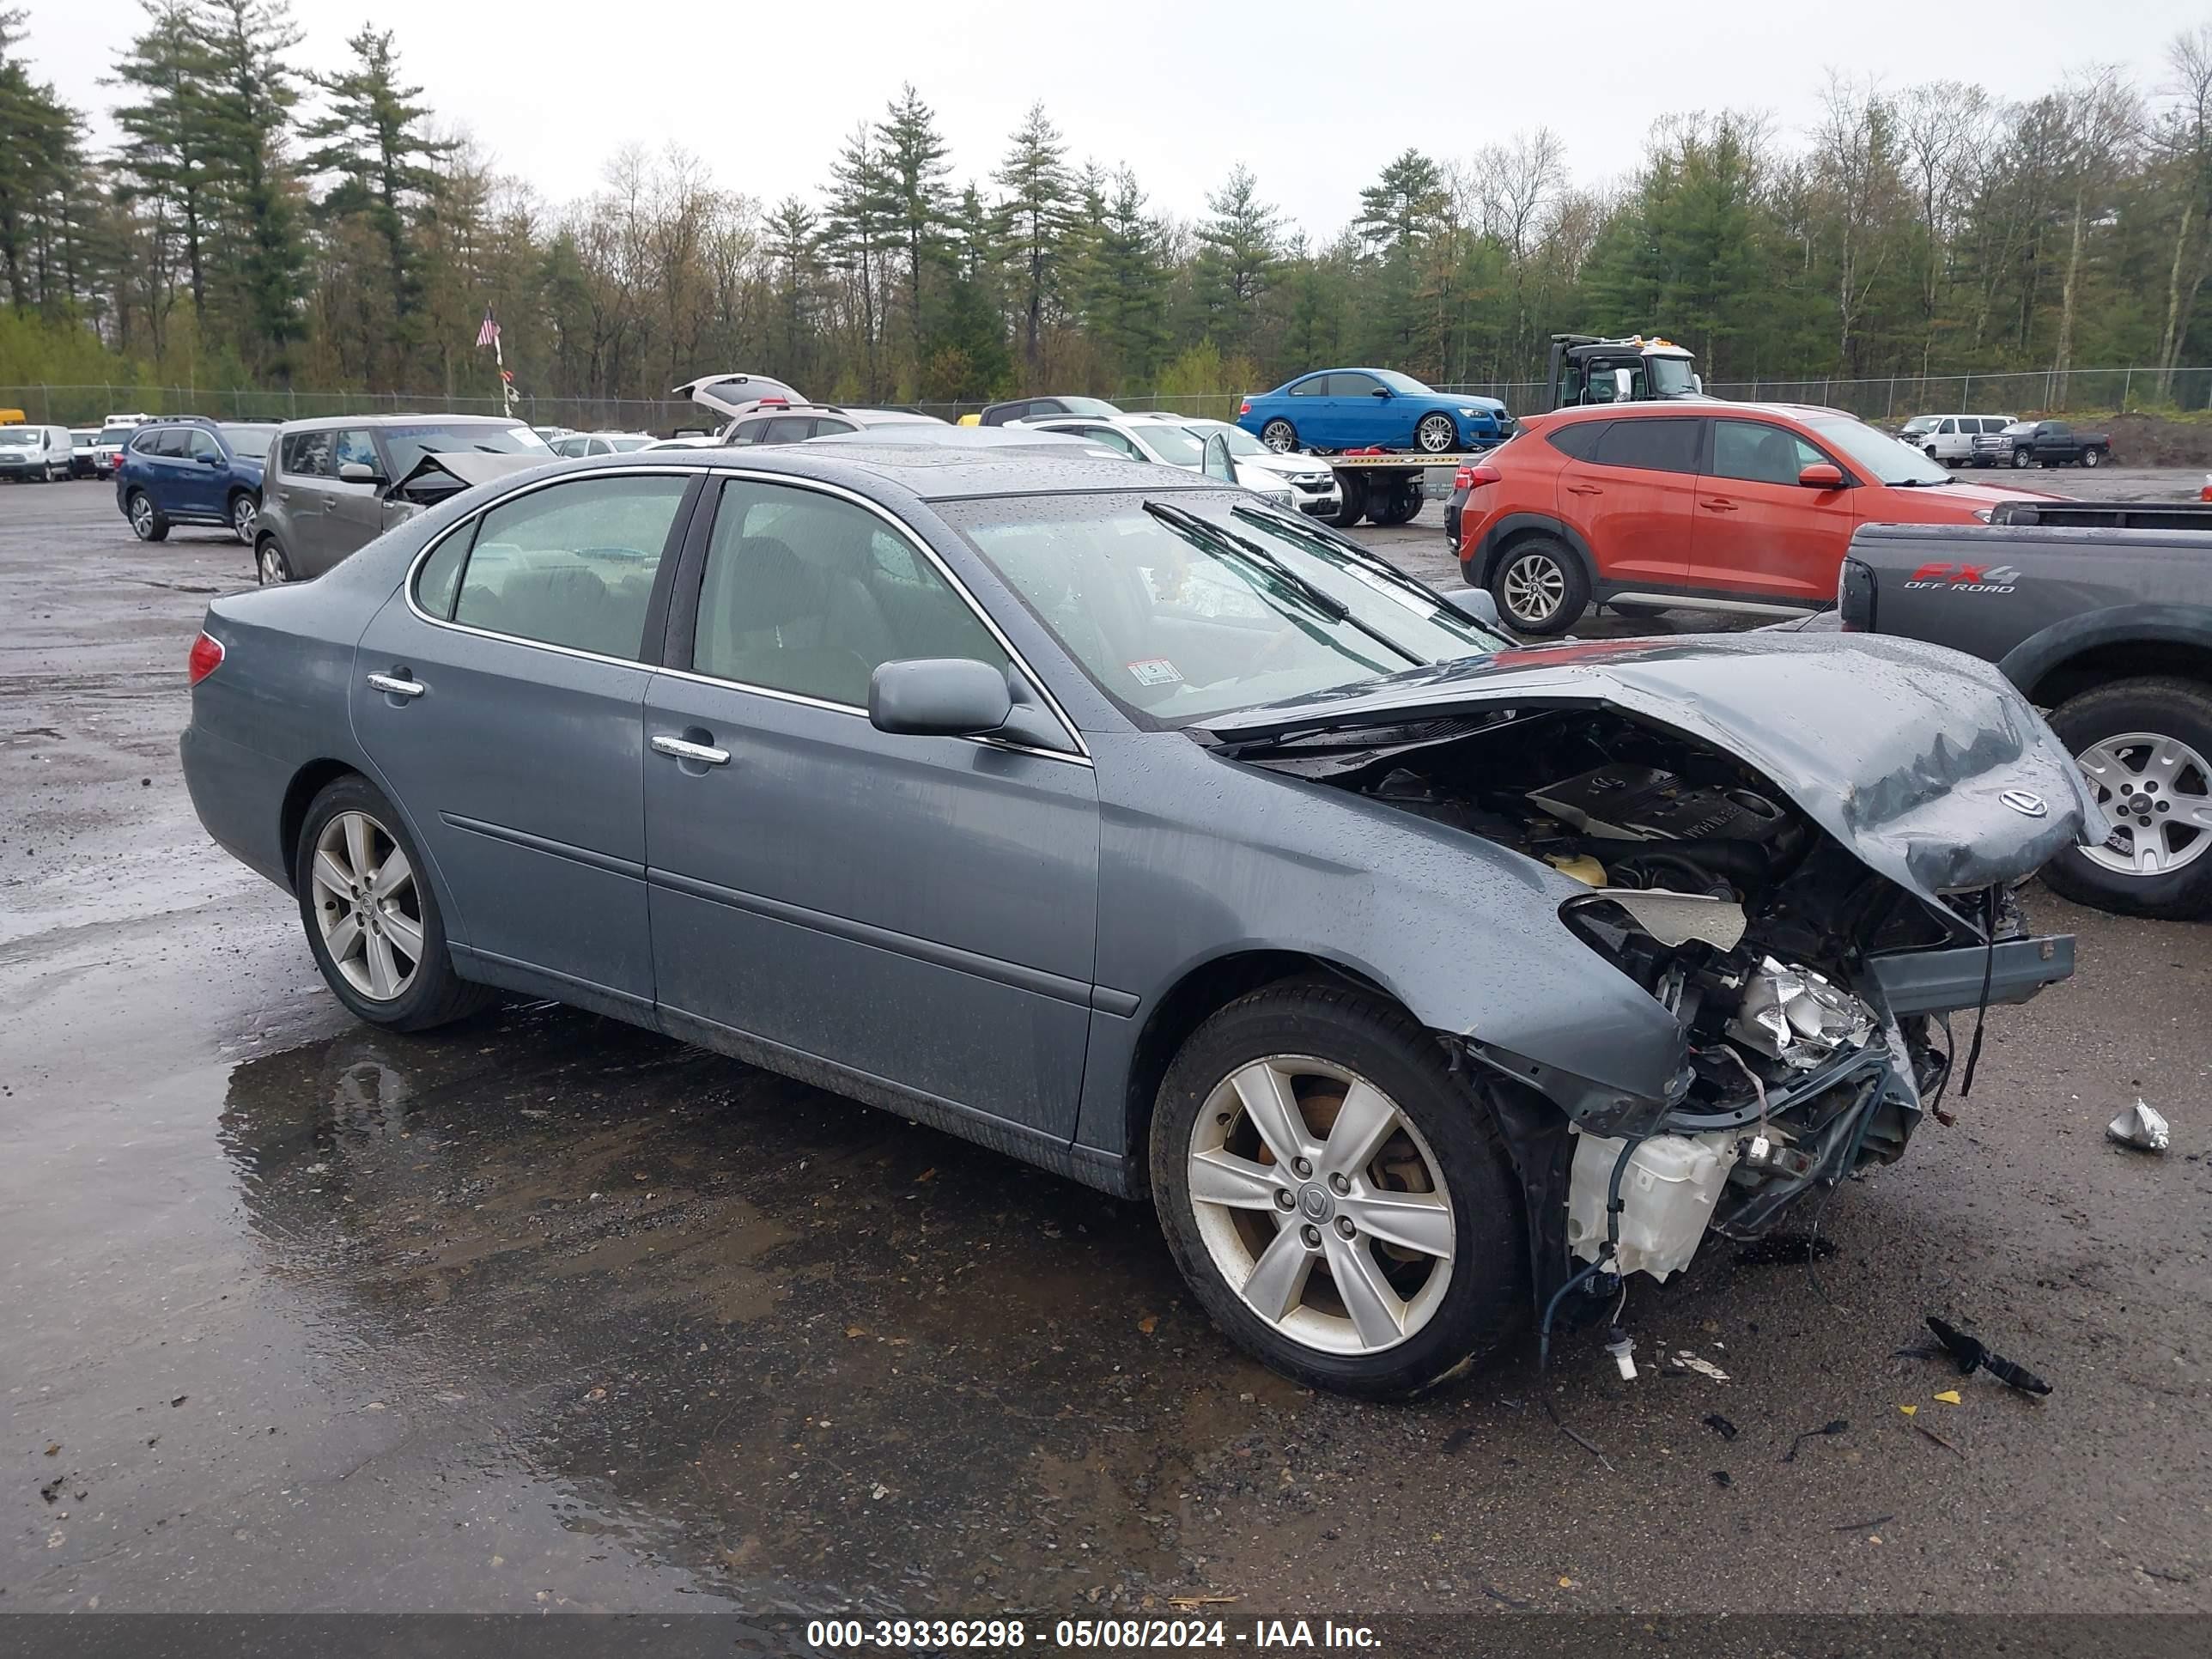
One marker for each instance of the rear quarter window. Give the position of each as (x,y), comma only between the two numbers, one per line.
(1577,438)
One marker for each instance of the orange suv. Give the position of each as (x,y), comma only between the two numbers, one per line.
(1658,505)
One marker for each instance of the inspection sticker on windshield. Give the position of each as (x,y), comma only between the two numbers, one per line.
(1155,670)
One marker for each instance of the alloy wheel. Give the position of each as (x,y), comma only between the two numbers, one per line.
(1321,1206)
(142,518)
(1534,587)
(1279,436)
(244,515)
(2157,792)
(1435,434)
(269,564)
(368,906)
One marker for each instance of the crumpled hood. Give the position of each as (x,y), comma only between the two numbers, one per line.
(1904,752)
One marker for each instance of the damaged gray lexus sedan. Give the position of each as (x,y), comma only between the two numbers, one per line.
(1170,842)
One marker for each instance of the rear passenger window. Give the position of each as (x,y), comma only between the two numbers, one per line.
(1578,439)
(570,565)
(307,455)
(1655,446)
(809,594)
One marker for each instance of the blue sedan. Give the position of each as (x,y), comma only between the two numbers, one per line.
(1355,407)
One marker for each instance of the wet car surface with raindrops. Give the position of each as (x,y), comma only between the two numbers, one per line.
(544,1310)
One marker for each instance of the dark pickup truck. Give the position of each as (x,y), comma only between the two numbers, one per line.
(2041,443)
(2101,614)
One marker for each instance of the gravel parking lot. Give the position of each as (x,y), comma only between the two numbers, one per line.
(546,1311)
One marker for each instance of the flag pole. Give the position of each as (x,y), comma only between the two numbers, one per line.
(506,388)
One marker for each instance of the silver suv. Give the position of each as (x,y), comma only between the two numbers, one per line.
(334,484)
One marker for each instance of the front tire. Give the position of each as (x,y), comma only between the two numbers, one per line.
(371,918)
(1338,1202)
(1437,434)
(1539,586)
(2146,747)
(147,523)
(2019,459)
(1279,435)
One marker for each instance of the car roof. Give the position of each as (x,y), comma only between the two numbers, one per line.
(1706,406)
(1043,465)
(317,422)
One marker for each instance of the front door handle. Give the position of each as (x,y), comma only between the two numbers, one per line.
(392,686)
(1718,504)
(705,754)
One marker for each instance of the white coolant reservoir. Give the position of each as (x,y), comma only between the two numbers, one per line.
(1667,1195)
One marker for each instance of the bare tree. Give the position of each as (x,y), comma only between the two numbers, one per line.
(1943,128)
(2104,119)
(2184,142)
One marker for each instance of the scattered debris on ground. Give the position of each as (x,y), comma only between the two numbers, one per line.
(1704,1368)
(2142,1126)
(1838,1425)
(1720,1425)
(1785,1250)
(1972,1356)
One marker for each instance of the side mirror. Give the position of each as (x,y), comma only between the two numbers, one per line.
(1218,462)
(1821,475)
(210,460)
(1698,384)
(1624,384)
(1474,604)
(958,697)
(1380,391)
(358,472)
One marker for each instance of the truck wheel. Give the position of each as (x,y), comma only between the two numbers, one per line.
(2146,747)
(1403,506)
(1435,434)
(1354,489)
(1539,587)
(2020,458)
(1337,1199)
(1279,435)
(2091,458)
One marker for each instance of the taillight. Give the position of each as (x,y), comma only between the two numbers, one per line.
(1474,478)
(1854,597)
(1245,407)
(206,657)
(1464,478)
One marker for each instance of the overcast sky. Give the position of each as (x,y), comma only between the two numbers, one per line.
(1313,97)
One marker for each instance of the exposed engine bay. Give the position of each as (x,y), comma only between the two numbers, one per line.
(1740,916)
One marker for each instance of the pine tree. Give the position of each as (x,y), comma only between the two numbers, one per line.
(1039,192)
(1236,259)
(167,165)
(253,92)
(370,138)
(39,139)
(912,155)
(792,247)
(860,229)
(1125,288)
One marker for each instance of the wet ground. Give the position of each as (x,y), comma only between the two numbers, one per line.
(543,1311)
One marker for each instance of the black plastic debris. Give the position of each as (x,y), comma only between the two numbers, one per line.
(1720,1425)
(1724,1480)
(1840,1426)
(1974,1356)
(1785,1250)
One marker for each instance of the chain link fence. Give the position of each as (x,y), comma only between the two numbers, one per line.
(1893,398)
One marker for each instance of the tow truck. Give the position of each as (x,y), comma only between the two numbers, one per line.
(1586,369)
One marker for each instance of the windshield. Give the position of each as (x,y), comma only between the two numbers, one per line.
(1881,456)
(1919,424)
(1242,444)
(625,444)
(1088,406)
(1176,623)
(410,443)
(1174,444)
(1668,377)
(115,434)
(17,434)
(251,441)
(1405,385)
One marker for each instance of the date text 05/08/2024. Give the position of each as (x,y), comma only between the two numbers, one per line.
(989,1635)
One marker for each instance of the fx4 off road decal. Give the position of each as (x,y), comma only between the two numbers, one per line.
(1965,578)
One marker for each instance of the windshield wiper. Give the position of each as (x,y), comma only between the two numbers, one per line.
(1223,540)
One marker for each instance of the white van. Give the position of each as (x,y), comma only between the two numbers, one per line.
(40,454)
(1950,438)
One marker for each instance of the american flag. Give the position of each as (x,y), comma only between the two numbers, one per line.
(488,334)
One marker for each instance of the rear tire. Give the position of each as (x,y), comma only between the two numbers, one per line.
(1279,435)
(1539,586)
(270,568)
(147,522)
(374,929)
(2091,458)
(1326,1053)
(245,515)
(2173,713)
(1402,507)
(1353,507)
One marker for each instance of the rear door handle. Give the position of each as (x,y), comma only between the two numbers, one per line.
(681,749)
(392,686)
(1585,490)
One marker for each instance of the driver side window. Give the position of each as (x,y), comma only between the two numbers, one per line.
(810,594)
